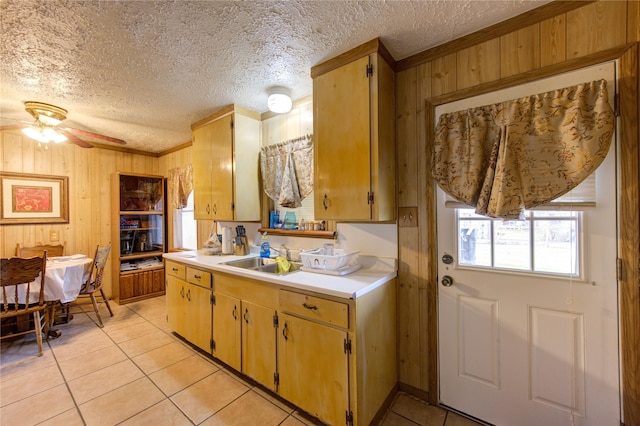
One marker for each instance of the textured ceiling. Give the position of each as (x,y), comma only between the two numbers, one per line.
(143,71)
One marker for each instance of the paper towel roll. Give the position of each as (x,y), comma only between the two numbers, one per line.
(227,240)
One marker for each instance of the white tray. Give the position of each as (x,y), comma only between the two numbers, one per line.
(342,271)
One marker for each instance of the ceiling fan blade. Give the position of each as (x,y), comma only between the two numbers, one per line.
(76,140)
(96,136)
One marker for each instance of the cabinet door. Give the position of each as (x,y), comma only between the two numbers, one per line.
(313,368)
(175,304)
(342,127)
(202,170)
(222,169)
(213,170)
(198,316)
(259,344)
(226,330)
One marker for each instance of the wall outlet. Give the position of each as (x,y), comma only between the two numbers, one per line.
(54,235)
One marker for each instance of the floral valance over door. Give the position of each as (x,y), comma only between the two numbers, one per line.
(287,170)
(518,154)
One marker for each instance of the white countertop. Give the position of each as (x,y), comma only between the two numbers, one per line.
(375,271)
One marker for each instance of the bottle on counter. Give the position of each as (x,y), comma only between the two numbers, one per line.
(265,251)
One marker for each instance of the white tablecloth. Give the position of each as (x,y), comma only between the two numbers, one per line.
(64,277)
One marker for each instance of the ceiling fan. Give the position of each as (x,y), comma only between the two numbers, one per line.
(46,128)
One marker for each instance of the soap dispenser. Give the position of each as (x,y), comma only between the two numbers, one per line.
(265,251)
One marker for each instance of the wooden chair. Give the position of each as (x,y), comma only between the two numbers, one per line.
(52,250)
(16,276)
(93,286)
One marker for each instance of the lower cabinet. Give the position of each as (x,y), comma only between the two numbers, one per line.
(226,330)
(333,358)
(244,327)
(259,344)
(314,368)
(138,285)
(189,300)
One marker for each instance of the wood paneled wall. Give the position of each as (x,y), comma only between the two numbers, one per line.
(538,47)
(89,172)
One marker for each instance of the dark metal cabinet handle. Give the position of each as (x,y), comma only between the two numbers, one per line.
(246,316)
(174,269)
(208,209)
(182,292)
(284,332)
(234,313)
(189,295)
(324,202)
(197,277)
(310,307)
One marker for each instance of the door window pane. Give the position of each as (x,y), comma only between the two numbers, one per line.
(555,246)
(512,245)
(474,242)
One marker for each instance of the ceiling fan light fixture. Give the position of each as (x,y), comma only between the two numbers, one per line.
(44,134)
(279,100)
(48,114)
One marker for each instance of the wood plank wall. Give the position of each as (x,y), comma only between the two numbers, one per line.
(536,47)
(89,172)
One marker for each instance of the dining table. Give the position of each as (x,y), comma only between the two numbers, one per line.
(65,276)
(63,279)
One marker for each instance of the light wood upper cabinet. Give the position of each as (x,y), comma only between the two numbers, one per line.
(226,146)
(354,139)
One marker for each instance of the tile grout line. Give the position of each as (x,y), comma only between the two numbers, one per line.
(128,357)
(145,375)
(66,383)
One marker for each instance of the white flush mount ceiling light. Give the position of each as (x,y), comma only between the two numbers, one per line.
(279,100)
(47,117)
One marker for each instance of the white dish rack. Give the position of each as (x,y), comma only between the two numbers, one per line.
(318,260)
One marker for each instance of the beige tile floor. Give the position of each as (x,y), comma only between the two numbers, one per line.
(135,371)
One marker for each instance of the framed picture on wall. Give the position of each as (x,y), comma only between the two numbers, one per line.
(30,198)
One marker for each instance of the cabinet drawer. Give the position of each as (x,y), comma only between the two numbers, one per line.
(328,311)
(199,277)
(176,269)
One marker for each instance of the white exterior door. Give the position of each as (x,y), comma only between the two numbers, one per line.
(528,328)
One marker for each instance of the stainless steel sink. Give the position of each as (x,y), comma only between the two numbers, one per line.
(262,264)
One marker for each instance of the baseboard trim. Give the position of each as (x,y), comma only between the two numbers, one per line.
(386,405)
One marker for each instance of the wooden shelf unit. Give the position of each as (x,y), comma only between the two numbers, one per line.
(139,226)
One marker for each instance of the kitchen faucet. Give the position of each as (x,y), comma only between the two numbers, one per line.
(283,251)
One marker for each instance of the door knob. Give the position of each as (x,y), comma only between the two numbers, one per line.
(447,281)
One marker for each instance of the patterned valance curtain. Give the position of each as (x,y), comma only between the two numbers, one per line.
(518,154)
(180,185)
(287,170)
